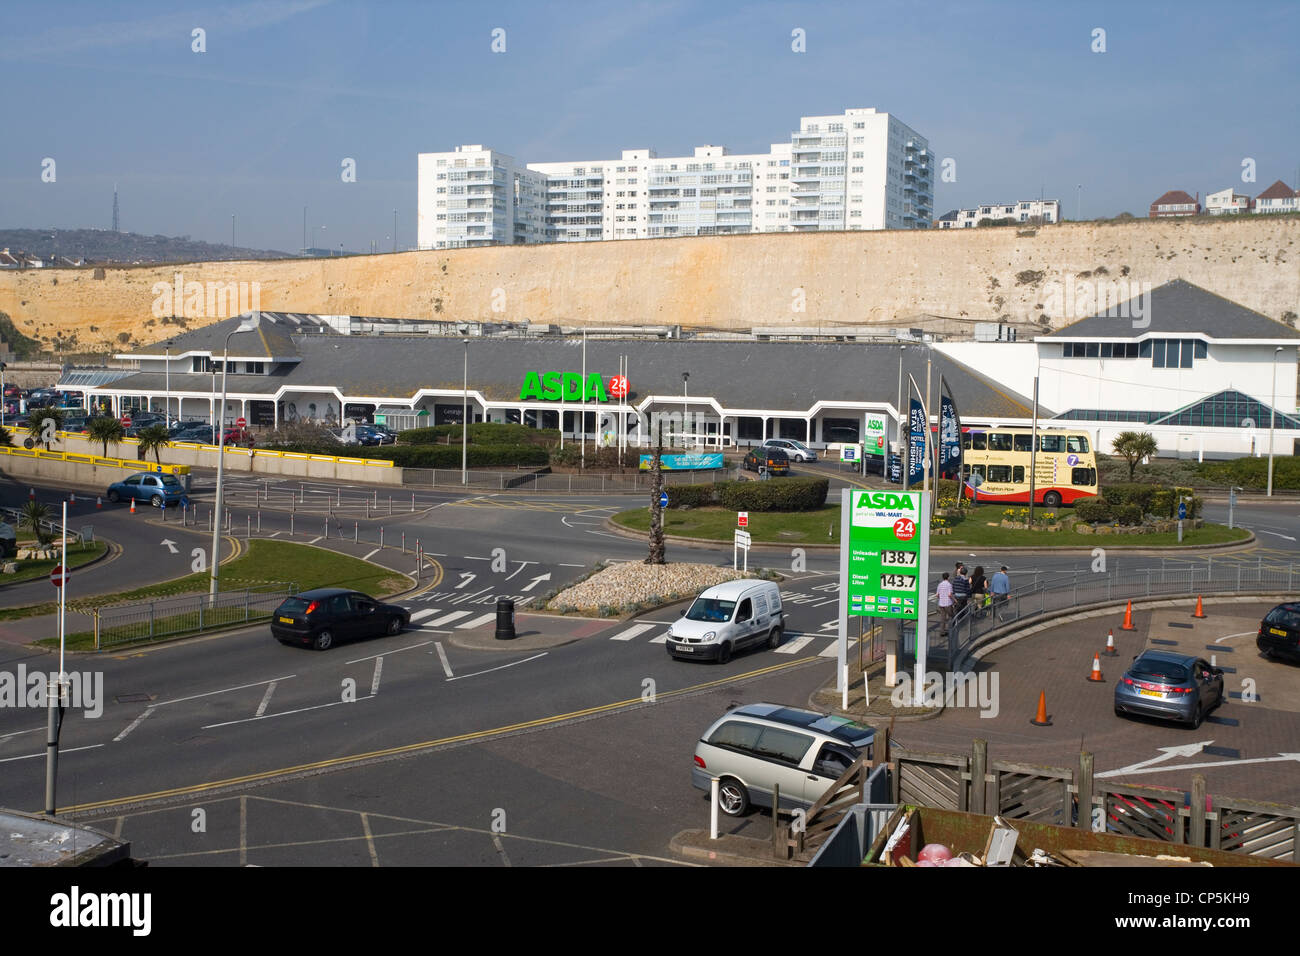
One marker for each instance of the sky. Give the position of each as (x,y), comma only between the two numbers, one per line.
(257,125)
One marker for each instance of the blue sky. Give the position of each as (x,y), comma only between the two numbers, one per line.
(259,124)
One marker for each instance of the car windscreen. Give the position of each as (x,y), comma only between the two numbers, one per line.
(1166,672)
(710,609)
(170,481)
(292,605)
(1283,617)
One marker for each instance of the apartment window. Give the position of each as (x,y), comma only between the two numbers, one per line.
(442,175)
(859,125)
(858,154)
(441,190)
(857,169)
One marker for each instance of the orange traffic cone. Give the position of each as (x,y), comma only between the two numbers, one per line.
(72,498)
(1128,618)
(1041,720)
(1200,611)
(31,493)
(1111,650)
(1096,669)
(99,503)
(132,506)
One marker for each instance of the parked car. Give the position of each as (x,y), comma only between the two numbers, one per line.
(1279,632)
(773,459)
(794,450)
(147,486)
(1171,686)
(202,434)
(76,423)
(327,616)
(370,435)
(726,618)
(754,747)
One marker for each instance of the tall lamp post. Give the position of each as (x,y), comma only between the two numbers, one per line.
(685,376)
(464,419)
(167,371)
(3,401)
(1272,415)
(249,323)
(902,417)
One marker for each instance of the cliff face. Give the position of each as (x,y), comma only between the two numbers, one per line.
(721,282)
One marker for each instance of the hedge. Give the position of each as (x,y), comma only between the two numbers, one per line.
(1251,472)
(690,496)
(776,494)
(1093,510)
(481,433)
(430,456)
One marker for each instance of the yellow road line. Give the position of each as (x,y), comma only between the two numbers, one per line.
(424,745)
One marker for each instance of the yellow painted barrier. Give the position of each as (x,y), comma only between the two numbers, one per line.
(96,460)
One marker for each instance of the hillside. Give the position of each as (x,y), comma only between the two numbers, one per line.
(103,246)
(734,282)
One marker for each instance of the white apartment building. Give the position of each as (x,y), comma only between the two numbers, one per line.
(1040,210)
(1226,202)
(862,169)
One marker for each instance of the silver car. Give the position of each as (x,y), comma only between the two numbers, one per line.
(752,748)
(794,450)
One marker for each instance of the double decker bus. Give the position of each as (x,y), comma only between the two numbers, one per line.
(1066,469)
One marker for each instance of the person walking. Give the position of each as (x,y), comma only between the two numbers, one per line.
(978,589)
(1000,585)
(960,588)
(943,596)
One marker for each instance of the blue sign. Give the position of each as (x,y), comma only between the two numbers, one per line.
(916,443)
(683,462)
(949,437)
(1182,510)
(663,499)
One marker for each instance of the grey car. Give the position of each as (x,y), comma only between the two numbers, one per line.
(752,748)
(794,450)
(1170,686)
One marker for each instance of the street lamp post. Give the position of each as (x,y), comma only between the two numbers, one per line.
(685,376)
(167,407)
(3,366)
(249,323)
(1272,415)
(464,419)
(902,439)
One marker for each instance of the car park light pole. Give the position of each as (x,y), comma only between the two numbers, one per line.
(167,372)
(249,323)
(685,376)
(3,400)
(1272,416)
(464,419)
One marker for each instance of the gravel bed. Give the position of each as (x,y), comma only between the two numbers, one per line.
(624,586)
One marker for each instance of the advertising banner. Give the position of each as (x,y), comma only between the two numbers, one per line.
(916,443)
(873,436)
(949,435)
(683,462)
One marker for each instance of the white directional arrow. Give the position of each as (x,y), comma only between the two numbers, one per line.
(465,578)
(830,625)
(535,581)
(1166,753)
(171,545)
(1280,758)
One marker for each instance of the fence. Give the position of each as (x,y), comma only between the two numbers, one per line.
(538,481)
(193,614)
(15,517)
(1054,795)
(1086,588)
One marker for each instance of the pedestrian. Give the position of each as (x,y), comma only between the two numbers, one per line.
(943,595)
(978,588)
(1000,585)
(960,588)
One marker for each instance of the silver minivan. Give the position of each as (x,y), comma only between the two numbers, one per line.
(753,747)
(727,618)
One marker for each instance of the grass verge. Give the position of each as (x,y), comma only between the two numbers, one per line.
(77,556)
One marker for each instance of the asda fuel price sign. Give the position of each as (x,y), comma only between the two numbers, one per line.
(888,533)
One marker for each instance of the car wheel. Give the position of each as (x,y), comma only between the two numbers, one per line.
(114,497)
(394,625)
(1118,712)
(724,652)
(1198,715)
(1051,500)
(733,798)
(324,640)
(774,639)
(156,501)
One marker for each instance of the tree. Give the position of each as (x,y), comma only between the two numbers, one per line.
(656,555)
(154,439)
(36,419)
(34,515)
(6,438)
(1133,447)
(105,430)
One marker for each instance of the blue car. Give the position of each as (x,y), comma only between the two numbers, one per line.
(148,486)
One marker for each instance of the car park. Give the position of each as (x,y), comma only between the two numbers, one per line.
(147,486)
(726,618)
(1169,686)
(773,459)
(328,616)
(794,450)
(1279,632)
(752,749)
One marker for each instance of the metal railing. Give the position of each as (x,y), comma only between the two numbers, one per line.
(1086,588)
(148,621)
(535,481)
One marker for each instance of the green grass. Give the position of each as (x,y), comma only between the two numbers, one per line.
(29,570)
(811,527)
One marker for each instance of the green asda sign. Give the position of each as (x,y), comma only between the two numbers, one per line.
(566,386)
(887,539)
(874,437)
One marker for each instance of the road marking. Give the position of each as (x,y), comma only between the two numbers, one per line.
(424,745)
(442,656)
(266,699)
(374,681)
(396,650)
(795,646)
(276,534)
(522,565)
(501,667)
(448,618)
(42,754)
(1214,763)
(833,649)
(134,724)
(424,612)
(1276,535)
(505,860)
(469,597)
(633,631)
(371,555)
(286,713)
(19,733)
(477,622)
(661,639)
(573,565)
(1228,637)
(315,539)
(181,700)
(1166,753)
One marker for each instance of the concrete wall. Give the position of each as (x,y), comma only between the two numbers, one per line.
(786,279)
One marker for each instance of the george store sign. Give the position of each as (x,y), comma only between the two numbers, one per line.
(562,386)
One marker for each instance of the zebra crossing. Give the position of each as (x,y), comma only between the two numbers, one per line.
(424,619)
(793,642)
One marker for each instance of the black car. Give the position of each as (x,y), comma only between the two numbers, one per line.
(1279,632)
(773,459)
(328,616)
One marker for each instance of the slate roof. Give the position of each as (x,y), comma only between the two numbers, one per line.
(1179,307)
(1175,197)
(271,339)
(786,376)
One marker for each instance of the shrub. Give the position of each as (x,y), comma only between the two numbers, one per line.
(777,494)
(1130,514)
(480,433)
(1133,493)
(690,496)
(430,456)
(1093,510)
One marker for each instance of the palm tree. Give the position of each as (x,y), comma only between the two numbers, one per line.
(6,438)
(36,419)
(106,430)
(656,536)
(1133,447)
(153,439)
(34,515)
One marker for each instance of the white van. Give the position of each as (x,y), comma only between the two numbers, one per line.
(727,618)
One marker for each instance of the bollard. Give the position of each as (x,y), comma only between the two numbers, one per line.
(259,520)
(713,809)
(338,496)
(367,509)
(403,542)
(354,532)
(248,527)
(327,528)
(293,502)
(390,504)
(291,517)
(505,620)
(376,497)
(412,501)
(381,536)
